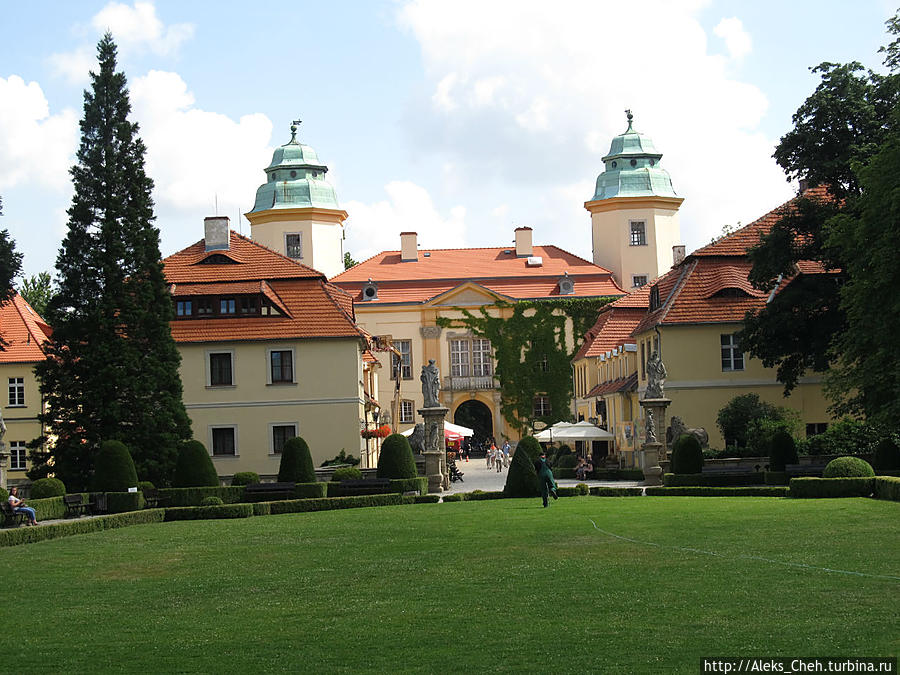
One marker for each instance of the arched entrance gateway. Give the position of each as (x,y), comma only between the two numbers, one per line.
(477,416)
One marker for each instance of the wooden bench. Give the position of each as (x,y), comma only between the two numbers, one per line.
(76,506)
(10,517)
(269,491)
(152,499)
(795,470)
(726,469)
(365,486)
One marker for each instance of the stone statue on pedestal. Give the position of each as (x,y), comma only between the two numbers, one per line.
(431,384)
(656,376)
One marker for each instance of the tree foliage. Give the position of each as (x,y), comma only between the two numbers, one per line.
(10,266)
(736,416)
(38,291)
(349,261)
(531,351)
(111,371)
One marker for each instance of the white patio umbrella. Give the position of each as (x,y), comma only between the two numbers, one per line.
(551,434)
(448,427)
(583,431)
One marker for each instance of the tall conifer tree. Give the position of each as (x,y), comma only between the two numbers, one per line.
(111,371)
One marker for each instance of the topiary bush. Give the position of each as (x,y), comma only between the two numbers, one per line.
(346,473)
(145,485)
(531,446)
(566,462)
(521,479)
(211,501)
(245,478)
(46,487)
(687,456)
(296,462)
(782,451)
(887,455)
(396,458)
(194,467)
(848,467)
(114,468)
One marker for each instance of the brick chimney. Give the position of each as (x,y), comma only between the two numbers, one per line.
(409,249)
(524,249)
(216,233)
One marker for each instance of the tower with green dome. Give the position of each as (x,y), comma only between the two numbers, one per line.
(634,211)
(296,211)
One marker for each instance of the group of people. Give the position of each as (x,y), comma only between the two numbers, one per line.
(498,458)
(583,468)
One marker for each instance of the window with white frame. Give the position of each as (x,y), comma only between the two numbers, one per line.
(404,361)
(541,406)
(293,245)
(224,441)
(221,369)
(406,412)
(17,391)
(638,233)
(471,357)
(17,456)
(281,433)
(638,280)
(732,356)
(281,366)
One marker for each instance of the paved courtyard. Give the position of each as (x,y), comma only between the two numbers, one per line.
(476,476)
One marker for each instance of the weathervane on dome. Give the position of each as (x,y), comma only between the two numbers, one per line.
(630,117)
(294,130)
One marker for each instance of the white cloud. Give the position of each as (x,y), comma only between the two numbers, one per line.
(737,40)
(35,146)
(409,208)
(561,75)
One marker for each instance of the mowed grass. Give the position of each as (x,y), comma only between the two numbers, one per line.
(462,587)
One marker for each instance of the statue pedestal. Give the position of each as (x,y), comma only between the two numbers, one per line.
(649,458)
(435,453)
(658,407)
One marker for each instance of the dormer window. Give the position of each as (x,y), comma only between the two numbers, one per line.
(731,292)
(204,306)
(217,259)
(184,308)
(226,306)
(654,298)
(566,285)
(370,291)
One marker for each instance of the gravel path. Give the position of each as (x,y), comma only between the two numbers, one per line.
(476,476)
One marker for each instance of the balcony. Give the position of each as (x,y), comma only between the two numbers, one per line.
(470,383)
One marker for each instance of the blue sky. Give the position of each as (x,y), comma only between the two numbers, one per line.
(459,120)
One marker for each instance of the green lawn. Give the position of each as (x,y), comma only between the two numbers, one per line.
(495,585)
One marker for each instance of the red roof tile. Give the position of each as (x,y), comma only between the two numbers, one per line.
(23,330)
(613,329)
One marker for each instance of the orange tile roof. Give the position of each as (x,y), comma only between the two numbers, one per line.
(253,261)
(315,308)
(621,384)
(613,329)
(23,331)
(497,269)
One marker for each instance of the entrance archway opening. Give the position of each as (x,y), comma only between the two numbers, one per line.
(477,416)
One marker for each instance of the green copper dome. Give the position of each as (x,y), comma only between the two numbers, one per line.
(295,178)
(632,168)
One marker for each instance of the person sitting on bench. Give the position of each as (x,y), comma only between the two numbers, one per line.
(18,506)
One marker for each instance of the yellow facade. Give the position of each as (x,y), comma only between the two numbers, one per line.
(22,404)
(325,402)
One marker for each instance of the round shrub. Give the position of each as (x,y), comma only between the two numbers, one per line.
(47,487)
(396,458)
(245,478)
(687,456)
(194,467)
(782,451)
(346,473)
(887,455)
(848,467)
(211,501)
(145,485)
(521,479)
(531,446)
(562,451)
(296,462)
(567,461)
(114,469)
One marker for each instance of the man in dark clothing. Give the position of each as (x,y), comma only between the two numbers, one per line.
(545,479)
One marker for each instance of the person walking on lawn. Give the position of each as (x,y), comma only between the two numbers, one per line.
(545,478)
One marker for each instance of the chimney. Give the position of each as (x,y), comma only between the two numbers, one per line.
(804,185)
(524,248)
(409,249)
(677,254)
(216,233)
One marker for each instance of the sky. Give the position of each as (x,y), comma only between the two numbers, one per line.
(458,120)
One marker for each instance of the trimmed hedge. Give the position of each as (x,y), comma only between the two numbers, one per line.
(427,499)
(245,478)
(120,502)
(209,512)
(782,450)
(46,487)
(114,468)
(194,466)
(521,479)
(601,474)
(211,501)
(701,491)
(51,508)
(396,459)
(687,455)
(296,462)
(831,487)
(331,503)
(346,473)
(603,491)
(887,487)
(713,479)
(776,477)
(887,455)
(455,497)
(848,467)
(401,485)
(29,535)
(192,496)
(312,490)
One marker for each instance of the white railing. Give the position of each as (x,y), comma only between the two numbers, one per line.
(457,383)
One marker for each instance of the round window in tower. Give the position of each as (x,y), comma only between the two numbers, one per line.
(634,162)
(652,162)
(293,174)
(615,164)
(274,176)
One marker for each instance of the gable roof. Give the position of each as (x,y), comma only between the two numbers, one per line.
(612,329)
(23,331)
(496,269)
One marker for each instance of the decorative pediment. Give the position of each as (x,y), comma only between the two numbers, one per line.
(466,295)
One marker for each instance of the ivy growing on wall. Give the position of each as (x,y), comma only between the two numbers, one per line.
(530,349)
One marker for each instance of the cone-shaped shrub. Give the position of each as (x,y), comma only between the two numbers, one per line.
(114,468)
(194,466)
(848,467)
(887,455)
(687,456)
(396,458)
(521,479)
(245,478)
(783,451)
(296,462)
(47,487)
